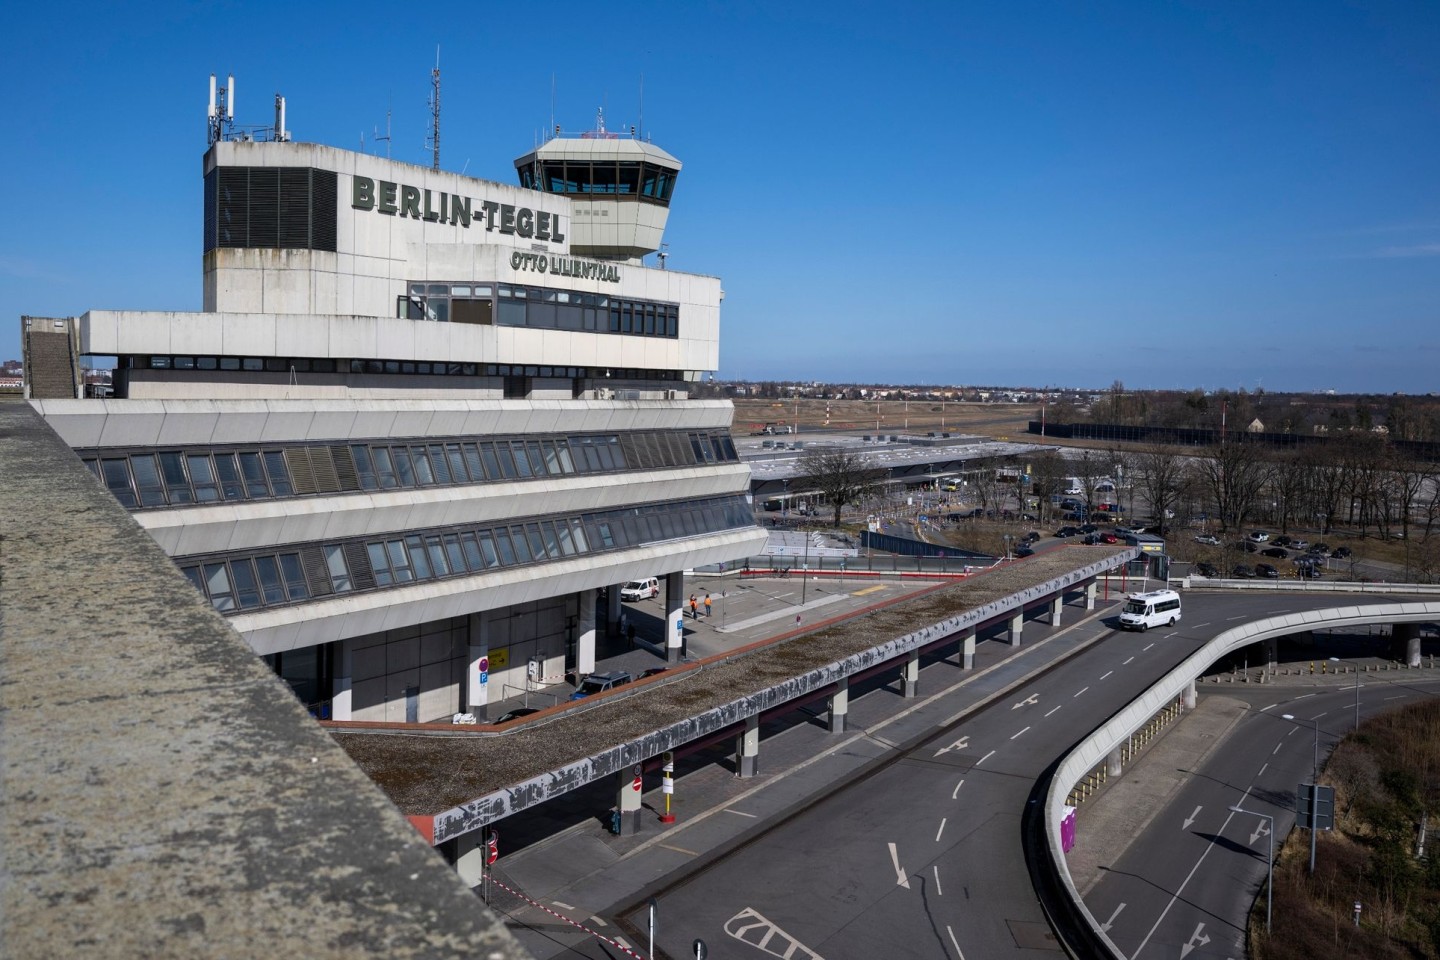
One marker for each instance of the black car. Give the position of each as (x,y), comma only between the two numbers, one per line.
(1308,571)
(1030,537)
(1266,571)
(516,714)
(1277,552)
(1249,546)
(1243,571)
(1319,548)
(1281,541)
(1340,553)
(1091,539)
(1206,570)
(1064,532)
(1024,550)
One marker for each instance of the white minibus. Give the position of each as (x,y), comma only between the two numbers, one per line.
(1158,608)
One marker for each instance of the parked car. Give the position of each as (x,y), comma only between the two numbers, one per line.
(1064,532)
(1091,539)
(1030,537)
(1340,553)
(1281,541)
(1279,553)
(652,672)
(1024,550)
(1266,571)
(1299,545)
(1249,546)
(1088,528)
(1243,571)
(600,682)
(1321,547)
(1208,540)
(516,714)
(642,589)
(1309,571)
(1259,536)
(1108,537)
(1207,570)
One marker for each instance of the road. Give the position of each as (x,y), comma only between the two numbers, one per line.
(923,858)
(1184,888)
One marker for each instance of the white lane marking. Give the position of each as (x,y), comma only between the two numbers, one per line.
(1188,877)
(987,756)
(1263,709)
(941,830)
(955,795)
(1146,647)
(960,744)
(1304,695)
(900,877)
(1052,710)
(1205,624)
(1197,939)
(598,921)
(1107,674)
(1193,814)
(742,813)
(688,853)
(1262,770)
(938,891)
(562,906)
(953,943)
(1018,734)
(1127,661)
(1278,746)
(1398,696)
(1082,690)
(1241,617)
(1105,927)
(1034,697)
(758,933)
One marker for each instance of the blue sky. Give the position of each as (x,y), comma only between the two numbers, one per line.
(1168,194)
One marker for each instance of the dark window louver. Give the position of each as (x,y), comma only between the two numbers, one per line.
(271,207)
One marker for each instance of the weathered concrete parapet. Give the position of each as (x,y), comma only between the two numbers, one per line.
(162,788)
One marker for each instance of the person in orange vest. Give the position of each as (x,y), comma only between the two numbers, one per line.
(707,603)
(694,609)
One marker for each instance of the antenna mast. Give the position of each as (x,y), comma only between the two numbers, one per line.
(435,112)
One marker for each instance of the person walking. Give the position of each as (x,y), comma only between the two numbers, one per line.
(630,634)
(707,604)
(694,608)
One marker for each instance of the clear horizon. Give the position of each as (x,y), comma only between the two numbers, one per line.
(1175,196)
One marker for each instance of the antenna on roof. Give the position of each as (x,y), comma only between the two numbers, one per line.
(377,138)
(435,112)
(281,134)
(642,107)
(220,116)
(552,101)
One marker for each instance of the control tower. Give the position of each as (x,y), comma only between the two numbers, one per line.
(619,188)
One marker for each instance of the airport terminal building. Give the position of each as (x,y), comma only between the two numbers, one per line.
(425,424)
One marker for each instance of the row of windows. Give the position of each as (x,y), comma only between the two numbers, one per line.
(604,177)
(542,308)
(237,583)
(328,365)
(175,477)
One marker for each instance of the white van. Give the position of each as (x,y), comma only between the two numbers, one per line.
(640,589)
(1158,608)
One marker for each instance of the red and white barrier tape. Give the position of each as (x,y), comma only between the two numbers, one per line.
(560,916)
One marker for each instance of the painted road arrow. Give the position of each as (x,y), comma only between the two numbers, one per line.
(1033,698)
(900,877)
(1197,939)
(960,744)
(1105,927)
(1191,819)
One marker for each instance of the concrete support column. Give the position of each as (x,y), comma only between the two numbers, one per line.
(613,609)
(747,749)
(1187,699)
(340,706)
(1017,624)
(629,788)
(1113,767)
(1055,606)
(839,706)
(585,633)
(1090,595)
(967,649)
(477,671)
(1272,653)
(674,631)
(1409,635)
(910,675)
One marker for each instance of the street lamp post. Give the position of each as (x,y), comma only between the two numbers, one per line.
(1357,686)
(1007,538)
(1269,863)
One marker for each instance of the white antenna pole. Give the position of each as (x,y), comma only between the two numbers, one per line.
(284,133)
(211,114)
(435,115)
(230,97)
(642,106)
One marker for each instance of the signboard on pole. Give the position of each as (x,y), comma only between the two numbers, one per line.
(1315,811)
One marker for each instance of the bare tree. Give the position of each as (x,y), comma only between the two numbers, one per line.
(1047,478)
(1161,474)
(1235,477)
(840,476)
